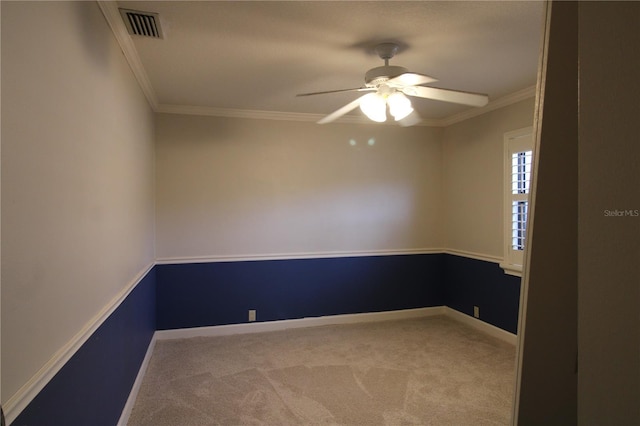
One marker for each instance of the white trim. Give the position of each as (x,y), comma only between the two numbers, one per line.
(323,255)
(112,15)
(537,131)
(244,113)
(273,115)
(480,325)
(502,102)
(511,269)
(290,256)
(519,133)
(267,326)
(261,327)
(473,255)
(19,401)
(513,141)
(126,411)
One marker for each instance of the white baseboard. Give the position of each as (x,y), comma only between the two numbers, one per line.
(258,327)
(481,326)
(126,411)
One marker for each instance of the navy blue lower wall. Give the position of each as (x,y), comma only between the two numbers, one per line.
(207,294)
(471,282)
(93,386)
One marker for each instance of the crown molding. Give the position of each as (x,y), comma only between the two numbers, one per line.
(243,113)
(112,15)
(270,115)
(502,102)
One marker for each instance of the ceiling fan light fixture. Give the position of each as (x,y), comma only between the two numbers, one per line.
(399,105)
(374,106)
(391,83)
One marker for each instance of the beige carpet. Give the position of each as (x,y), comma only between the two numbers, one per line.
(428,371)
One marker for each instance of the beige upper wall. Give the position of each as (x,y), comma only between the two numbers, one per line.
(472,198)
(237,187)
(77,179)
(242,187)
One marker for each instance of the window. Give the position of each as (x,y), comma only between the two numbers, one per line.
(518,162)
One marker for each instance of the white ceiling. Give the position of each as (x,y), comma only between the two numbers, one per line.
(221,56)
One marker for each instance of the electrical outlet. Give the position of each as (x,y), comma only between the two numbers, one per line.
(252,315)
(476,312)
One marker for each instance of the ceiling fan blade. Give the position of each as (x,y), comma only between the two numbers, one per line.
(447,95)
(357,89)
(411,79)
(342,111)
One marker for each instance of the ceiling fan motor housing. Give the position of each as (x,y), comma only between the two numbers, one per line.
(379,75)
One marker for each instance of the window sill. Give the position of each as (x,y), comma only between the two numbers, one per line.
(511,269)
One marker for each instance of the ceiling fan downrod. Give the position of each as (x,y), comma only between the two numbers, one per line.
(386,51)
(380,75)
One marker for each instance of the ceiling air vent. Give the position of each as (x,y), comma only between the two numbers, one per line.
(146,24)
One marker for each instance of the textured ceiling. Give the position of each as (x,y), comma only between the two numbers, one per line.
(257,55)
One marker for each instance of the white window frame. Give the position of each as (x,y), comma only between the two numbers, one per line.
(520,140)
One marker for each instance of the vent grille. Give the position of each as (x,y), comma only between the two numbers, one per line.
(146,24)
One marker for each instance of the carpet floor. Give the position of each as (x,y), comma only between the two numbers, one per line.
(426,371)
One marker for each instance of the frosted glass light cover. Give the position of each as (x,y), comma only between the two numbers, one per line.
(374,106)
(399,105)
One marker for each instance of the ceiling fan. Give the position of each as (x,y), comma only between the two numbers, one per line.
(388,86)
